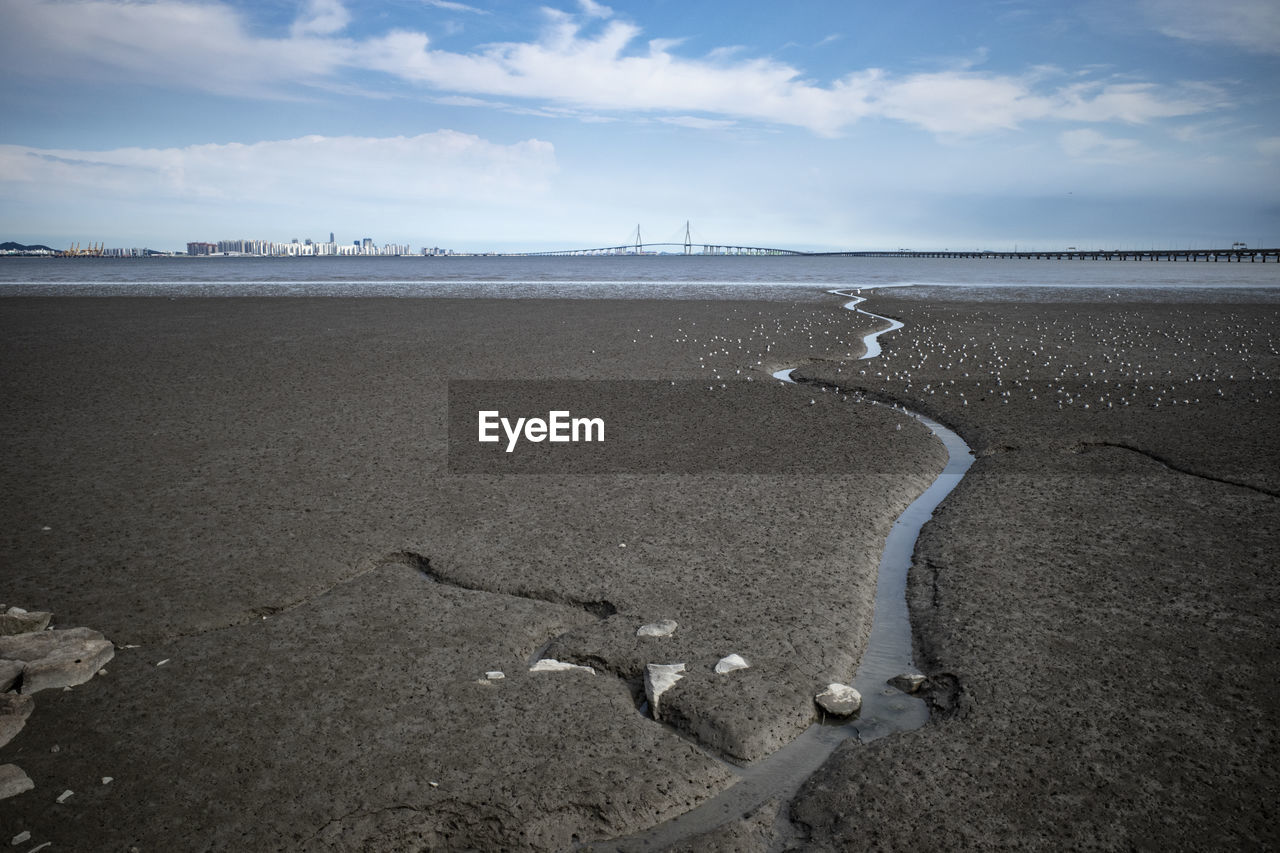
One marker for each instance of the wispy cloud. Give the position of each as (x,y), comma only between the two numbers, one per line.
(698,122)
(1253,25)
(1089,145)
(444,165)
(595,10)
(321,18)
(455,7)
(593,62)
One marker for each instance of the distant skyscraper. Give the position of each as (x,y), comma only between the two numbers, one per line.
(330,236)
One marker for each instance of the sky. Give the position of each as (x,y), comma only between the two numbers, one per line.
(504,125)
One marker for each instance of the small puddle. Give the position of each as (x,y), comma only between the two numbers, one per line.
(885,709)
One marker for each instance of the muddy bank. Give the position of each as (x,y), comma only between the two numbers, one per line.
(1097,602)
(255,491)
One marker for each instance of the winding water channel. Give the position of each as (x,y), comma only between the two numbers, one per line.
(885,710)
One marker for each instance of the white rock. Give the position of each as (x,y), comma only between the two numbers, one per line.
(21,838)
(65,795)
(16,620)
(53,659)
(107,780)
(662,628)
(13,781)
(14,710)
(495,675)
(730,663)
(839,700)
(908,682)
(658,679)
(553,665)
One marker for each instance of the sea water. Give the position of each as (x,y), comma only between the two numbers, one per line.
(779,277)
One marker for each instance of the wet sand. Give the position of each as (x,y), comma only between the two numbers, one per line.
(1095,604)
(1098,601)
(256,491)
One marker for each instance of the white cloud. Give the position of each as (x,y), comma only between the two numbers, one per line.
(698,122)
(1091,146)
(595,10)
(173,44)
(574,64)
(1270,147)
(1136,103)
(321,18)
(1253,25)
(445,165)
(455,7)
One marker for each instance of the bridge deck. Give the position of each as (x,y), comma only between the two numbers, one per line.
(1186,255)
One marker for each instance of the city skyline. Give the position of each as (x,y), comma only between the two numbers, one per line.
(498,126)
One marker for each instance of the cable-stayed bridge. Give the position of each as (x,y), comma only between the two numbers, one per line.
(635,245)
(661,249)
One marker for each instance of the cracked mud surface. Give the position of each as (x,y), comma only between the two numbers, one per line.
(203,464)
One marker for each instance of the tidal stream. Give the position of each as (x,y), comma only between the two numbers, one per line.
(885,709)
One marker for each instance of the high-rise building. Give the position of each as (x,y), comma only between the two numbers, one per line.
(330,236)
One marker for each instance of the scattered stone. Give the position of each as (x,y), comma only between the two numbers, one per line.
(553,665)
(163,662)
(663,628)
(55,749)
(730,663)
(495,675)
(65,795)
(839,700)
(9,672)
(15,620)
(13,781)
(658,679)
(40,847)
(21,838)
(57,658)
(908,682)
(434,784)
(107,780)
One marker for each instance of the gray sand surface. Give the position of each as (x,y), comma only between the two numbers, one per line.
(1098,601)
(255,491)
(1096,604)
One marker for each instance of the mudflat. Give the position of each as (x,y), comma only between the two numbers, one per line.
(1097,602)
(252,499)
(257,492)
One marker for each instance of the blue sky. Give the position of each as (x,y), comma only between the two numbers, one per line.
(497,124)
